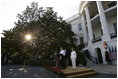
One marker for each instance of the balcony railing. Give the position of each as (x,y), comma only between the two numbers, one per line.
(113,35)
(94,14)
(96,39)
(110,5)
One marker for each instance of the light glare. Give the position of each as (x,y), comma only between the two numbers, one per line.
(28,37)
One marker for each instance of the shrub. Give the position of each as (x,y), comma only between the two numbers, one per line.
(50,63)
(56,71)
(81,59)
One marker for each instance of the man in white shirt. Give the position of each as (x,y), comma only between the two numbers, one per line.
(62,58)
(62,51)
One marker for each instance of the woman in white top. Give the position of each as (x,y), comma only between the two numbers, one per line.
(73,59)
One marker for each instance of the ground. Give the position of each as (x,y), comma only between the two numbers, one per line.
(20,71)
(103,75)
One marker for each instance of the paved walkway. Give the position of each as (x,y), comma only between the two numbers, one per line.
(19,71)
(103,75)
(103,68)
(106,69)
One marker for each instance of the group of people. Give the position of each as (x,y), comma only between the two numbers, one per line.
(63,58)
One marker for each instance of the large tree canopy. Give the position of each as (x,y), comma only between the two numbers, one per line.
(49,32)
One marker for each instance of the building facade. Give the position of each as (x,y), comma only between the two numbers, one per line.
(99,30)
(76,24)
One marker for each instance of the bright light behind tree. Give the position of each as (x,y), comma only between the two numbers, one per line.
(28,37)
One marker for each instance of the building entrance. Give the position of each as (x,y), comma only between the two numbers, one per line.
(99,55)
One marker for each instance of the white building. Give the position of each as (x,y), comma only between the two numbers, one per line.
(99,29)
(76,24)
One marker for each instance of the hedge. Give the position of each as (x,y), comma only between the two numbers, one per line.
(50,63)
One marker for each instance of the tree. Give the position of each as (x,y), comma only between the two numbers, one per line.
(49,31)
(11,47)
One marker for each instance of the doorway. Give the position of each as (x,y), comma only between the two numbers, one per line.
(99,55)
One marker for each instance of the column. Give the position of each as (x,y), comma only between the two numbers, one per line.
(106,35)
(89,25)
(84,29)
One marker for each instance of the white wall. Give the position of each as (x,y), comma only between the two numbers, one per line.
(93,47)
(74,24)
(75,28)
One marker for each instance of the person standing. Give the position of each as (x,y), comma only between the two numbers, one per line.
(67,57)
(57,59)
(62,58)
(73,58)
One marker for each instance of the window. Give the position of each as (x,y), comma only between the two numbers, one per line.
(81,40)
(115,27)
(79,26)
